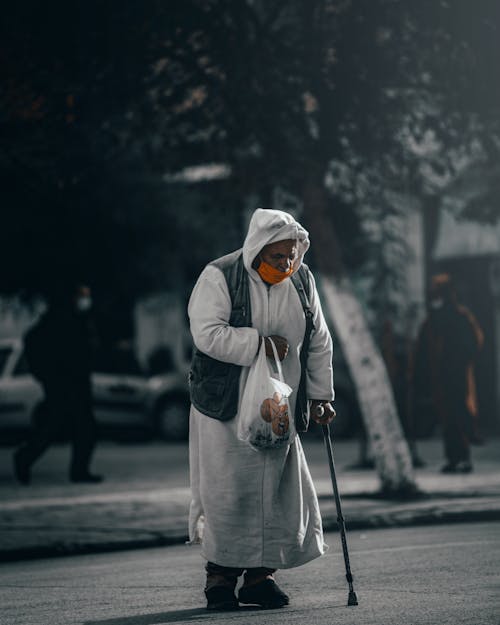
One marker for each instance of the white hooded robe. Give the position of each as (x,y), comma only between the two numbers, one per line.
(256,508)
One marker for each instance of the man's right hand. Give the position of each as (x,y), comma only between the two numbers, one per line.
(280,343)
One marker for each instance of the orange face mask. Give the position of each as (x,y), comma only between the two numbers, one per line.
(271,275)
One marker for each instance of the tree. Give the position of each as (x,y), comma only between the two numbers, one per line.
(278,92)
(82,179)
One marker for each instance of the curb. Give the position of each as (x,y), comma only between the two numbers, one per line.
(60,549)
(376,520)
(415,519)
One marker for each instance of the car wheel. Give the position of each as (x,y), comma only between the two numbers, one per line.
(172,418)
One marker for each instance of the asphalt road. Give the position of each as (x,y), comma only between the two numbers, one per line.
(415,576)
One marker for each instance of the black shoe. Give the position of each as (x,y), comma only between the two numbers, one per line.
(266,593)
(21,470)
(449,468)
(221,598)
(86,478)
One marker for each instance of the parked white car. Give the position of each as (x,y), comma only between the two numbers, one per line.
(20,394)
(125,396)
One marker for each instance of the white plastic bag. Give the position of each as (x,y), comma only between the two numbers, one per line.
(264,420)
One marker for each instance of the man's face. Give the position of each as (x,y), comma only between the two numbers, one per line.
(280,255)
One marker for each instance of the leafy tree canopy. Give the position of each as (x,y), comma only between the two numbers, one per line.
(101,99)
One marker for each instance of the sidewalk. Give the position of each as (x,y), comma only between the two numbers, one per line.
(145,498)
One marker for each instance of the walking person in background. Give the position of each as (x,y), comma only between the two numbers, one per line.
(58,350)
(258,509)
(447,346)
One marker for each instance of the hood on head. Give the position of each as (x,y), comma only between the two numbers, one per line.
(269,226)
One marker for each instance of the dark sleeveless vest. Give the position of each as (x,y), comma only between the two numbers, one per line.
(213,384)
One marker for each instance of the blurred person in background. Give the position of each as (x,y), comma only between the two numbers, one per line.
(447,345)
(254,511)
(58,349)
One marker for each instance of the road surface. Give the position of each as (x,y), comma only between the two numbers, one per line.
(436,575)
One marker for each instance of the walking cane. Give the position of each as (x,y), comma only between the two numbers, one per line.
(352,600)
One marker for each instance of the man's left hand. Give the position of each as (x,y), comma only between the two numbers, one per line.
(328,411)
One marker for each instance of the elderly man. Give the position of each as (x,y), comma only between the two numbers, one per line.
(255,511)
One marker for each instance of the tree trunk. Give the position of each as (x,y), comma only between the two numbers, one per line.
(376,400)
(378,408)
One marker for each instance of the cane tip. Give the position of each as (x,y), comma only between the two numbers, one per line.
(353,600)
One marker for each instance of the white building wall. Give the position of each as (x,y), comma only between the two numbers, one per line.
(160,321)
(415,269)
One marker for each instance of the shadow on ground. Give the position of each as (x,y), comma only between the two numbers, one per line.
(185,616)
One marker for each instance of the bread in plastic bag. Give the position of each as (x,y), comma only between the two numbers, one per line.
(265,421)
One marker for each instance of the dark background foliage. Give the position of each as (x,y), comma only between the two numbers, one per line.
(101,100)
